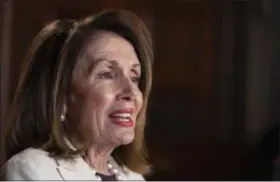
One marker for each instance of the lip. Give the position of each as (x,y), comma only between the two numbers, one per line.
(127,124)
(122,111)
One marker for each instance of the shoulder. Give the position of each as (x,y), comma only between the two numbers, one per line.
(30,164)
(32,156)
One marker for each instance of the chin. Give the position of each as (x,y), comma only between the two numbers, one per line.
(126,139)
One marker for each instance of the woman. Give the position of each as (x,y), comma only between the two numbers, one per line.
(79,109)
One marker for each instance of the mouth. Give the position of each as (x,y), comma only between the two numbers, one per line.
(122,117)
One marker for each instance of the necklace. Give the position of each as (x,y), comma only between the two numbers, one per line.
(112,170)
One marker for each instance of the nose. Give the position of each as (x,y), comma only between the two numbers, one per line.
(128,91)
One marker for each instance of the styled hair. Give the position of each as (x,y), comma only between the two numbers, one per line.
(46,79)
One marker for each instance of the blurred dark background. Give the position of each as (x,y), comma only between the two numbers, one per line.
(214,106)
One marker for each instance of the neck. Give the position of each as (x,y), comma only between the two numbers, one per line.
(97,158)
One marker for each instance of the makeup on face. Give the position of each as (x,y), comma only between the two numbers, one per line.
(123,117)
(106,90)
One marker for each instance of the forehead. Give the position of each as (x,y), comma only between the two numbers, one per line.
(109,45)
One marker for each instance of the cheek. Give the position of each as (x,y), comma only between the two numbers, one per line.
(102,94)
(139,100)
(97,100)
(91,101)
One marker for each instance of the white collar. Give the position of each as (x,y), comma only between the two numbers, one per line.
(78,169)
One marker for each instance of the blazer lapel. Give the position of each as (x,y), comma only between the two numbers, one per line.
(76,169)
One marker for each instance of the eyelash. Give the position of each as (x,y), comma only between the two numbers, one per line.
(136,80)
(110,75)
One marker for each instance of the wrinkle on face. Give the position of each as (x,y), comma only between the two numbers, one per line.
(105,79)
(93,98)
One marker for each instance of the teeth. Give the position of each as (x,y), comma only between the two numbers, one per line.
(124,119)
(123,115)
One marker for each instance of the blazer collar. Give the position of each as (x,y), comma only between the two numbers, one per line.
(78,169)
(75,169)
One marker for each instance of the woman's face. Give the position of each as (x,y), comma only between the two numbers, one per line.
(105,98)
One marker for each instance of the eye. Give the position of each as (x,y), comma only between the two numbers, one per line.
(135,80)
(107,75)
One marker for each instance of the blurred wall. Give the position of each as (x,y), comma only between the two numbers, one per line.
(6,19)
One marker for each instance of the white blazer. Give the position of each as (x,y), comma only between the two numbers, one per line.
(36,164)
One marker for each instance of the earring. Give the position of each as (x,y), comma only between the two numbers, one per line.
(62,117)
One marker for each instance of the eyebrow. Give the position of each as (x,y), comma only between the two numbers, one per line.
(113,62)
